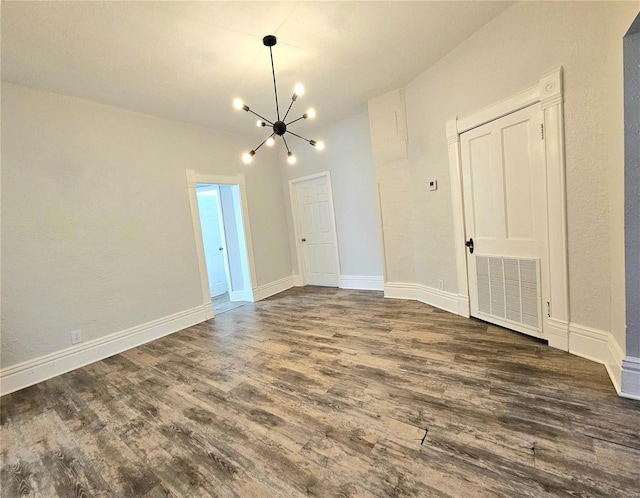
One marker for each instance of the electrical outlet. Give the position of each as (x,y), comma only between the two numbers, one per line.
(440,284)
(433,184)
(76,337)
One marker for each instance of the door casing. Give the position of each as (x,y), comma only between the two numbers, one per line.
(193,178)
(549,93)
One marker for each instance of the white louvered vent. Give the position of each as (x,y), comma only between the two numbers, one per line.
(509,289)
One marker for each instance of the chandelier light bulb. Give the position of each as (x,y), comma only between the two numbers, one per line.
(311,113)
(247,157)
(291,159)
(270,141)
(298,90)
(317,145)
(260,123)
(237,103)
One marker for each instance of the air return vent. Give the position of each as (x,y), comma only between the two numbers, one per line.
(509,289)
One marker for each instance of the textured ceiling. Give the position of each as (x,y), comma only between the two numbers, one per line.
(188,60)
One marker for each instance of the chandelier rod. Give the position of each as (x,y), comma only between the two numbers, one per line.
(263,119)
(287,113)
(275,88)
(256,149)
(296,135)
(291,122)
(285,143)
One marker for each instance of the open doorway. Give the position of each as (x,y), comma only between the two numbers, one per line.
(225,254)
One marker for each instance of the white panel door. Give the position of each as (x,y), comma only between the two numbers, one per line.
(212,240)
(317,232)
(504,182)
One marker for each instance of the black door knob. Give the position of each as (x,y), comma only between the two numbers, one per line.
(304,240)
(469,244)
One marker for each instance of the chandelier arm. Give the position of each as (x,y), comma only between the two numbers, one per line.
(263,119)
(287,113)
(275,88)
(296,135)
(256,149)
(291,122)
(285,143)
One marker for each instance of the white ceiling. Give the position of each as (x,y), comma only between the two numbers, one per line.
(188,60)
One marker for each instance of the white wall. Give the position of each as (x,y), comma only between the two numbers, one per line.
(508,55)
(349,159)
(96,224)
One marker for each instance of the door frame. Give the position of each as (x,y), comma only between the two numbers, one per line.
(549,94)
(296,223)
(193,178)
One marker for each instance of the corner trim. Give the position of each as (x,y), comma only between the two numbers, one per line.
(599,346)
(558,334)
(362,282)
(48,366)
(272,288)
(437,298)
(630,387)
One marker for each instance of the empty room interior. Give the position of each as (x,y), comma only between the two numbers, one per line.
(300,248)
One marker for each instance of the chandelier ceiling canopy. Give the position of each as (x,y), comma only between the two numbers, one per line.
(279,126)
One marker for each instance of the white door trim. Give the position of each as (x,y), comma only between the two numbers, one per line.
(193,178)
(296,221)
(549,93)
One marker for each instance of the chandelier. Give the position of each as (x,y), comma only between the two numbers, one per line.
(279,126)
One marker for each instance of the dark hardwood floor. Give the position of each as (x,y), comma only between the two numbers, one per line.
(326,392)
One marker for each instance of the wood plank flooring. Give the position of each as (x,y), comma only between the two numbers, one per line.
(326,392)
(222,303)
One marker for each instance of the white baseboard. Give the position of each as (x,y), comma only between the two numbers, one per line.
(599,346)
(241,295)
(630,385)
(558,334)
(464,309)
(45,367)
(400,290)
(297,280)
(444,300)
(440,299)
(361,282)
(272,288)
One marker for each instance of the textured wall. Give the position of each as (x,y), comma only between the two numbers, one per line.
(96,223)
(504,57)
(348,157)
(632,185)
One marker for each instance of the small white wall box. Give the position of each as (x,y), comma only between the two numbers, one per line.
(433,184)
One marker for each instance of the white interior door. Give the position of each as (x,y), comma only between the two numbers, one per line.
(504,182)
(317,232)
(212,240)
